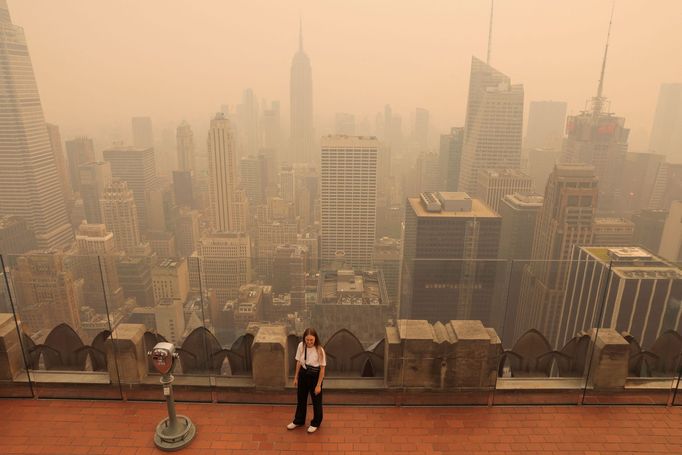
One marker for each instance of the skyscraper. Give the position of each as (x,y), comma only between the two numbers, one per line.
(253,178)
(58,152)
(566,219)
(94,177)
(451,157)
(666,132)
(546,120)
(29,180)
(599,138)
(301,99)
(119,214)
(623,288)
(671,238)
(448,269)
(79,151)
(421,129)
(96,262)
(143,136)
(495,184)
(494,124)
(349,198)
(185,145)
(519,212)
(136,166)
(222,172)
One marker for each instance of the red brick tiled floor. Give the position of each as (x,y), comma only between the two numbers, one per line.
(101,427)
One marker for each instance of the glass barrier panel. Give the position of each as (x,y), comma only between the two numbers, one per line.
(161,305)
(544,355)
(14,382)
(65,318)
(638,330)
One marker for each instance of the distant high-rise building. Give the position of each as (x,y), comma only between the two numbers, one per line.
(671,238)
(187,232)
(185,145)
(135,274)
(272,143)
(253,178)
(428,172)
(344,124)
(599,138)
(541,163)
(222,171)
(451,157)
(349,198)
(119,214)
(96,264)
(58,153)
(546,121)
(15,236)
(170,319)
(143,136)
(289,266)
(183,188)
(666,132)
(79,151)
(29,180)
(623,288)
(94,177)
(248,124)
(450,247)
(162,243)
(612,231)
(224,262)
(494,124)
(649,228)
(170,280)
(519,212)
(421,129)
(641,181)
(47,292)
(301,101)
(136,166)
(566,219)
(271,235)
(495,184)
(287,183)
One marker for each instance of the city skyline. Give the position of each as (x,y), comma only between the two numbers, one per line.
(439,87)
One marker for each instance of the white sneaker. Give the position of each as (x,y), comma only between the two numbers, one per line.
(292,426)
(312,429)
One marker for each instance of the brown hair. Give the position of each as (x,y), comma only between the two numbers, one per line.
(310,331)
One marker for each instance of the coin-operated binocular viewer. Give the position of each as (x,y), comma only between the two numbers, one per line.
(175,431)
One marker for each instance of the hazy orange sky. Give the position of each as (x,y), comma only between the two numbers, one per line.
(99,62)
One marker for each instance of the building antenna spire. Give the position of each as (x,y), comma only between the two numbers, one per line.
(490,31)
(300,33)
(598,101)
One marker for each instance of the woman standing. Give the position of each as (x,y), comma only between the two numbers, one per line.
(310,364)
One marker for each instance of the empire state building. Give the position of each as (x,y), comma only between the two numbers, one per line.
(29,180)
(301,97)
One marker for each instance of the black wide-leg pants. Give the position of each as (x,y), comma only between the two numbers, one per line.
(306,386)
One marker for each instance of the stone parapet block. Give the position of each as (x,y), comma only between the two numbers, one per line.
(11,359)
(459,354)
(610,359)
(126,346)
(269,357)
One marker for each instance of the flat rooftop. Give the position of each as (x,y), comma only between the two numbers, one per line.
(121,428)
(478,209)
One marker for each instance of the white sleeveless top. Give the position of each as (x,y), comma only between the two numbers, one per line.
(312,357)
